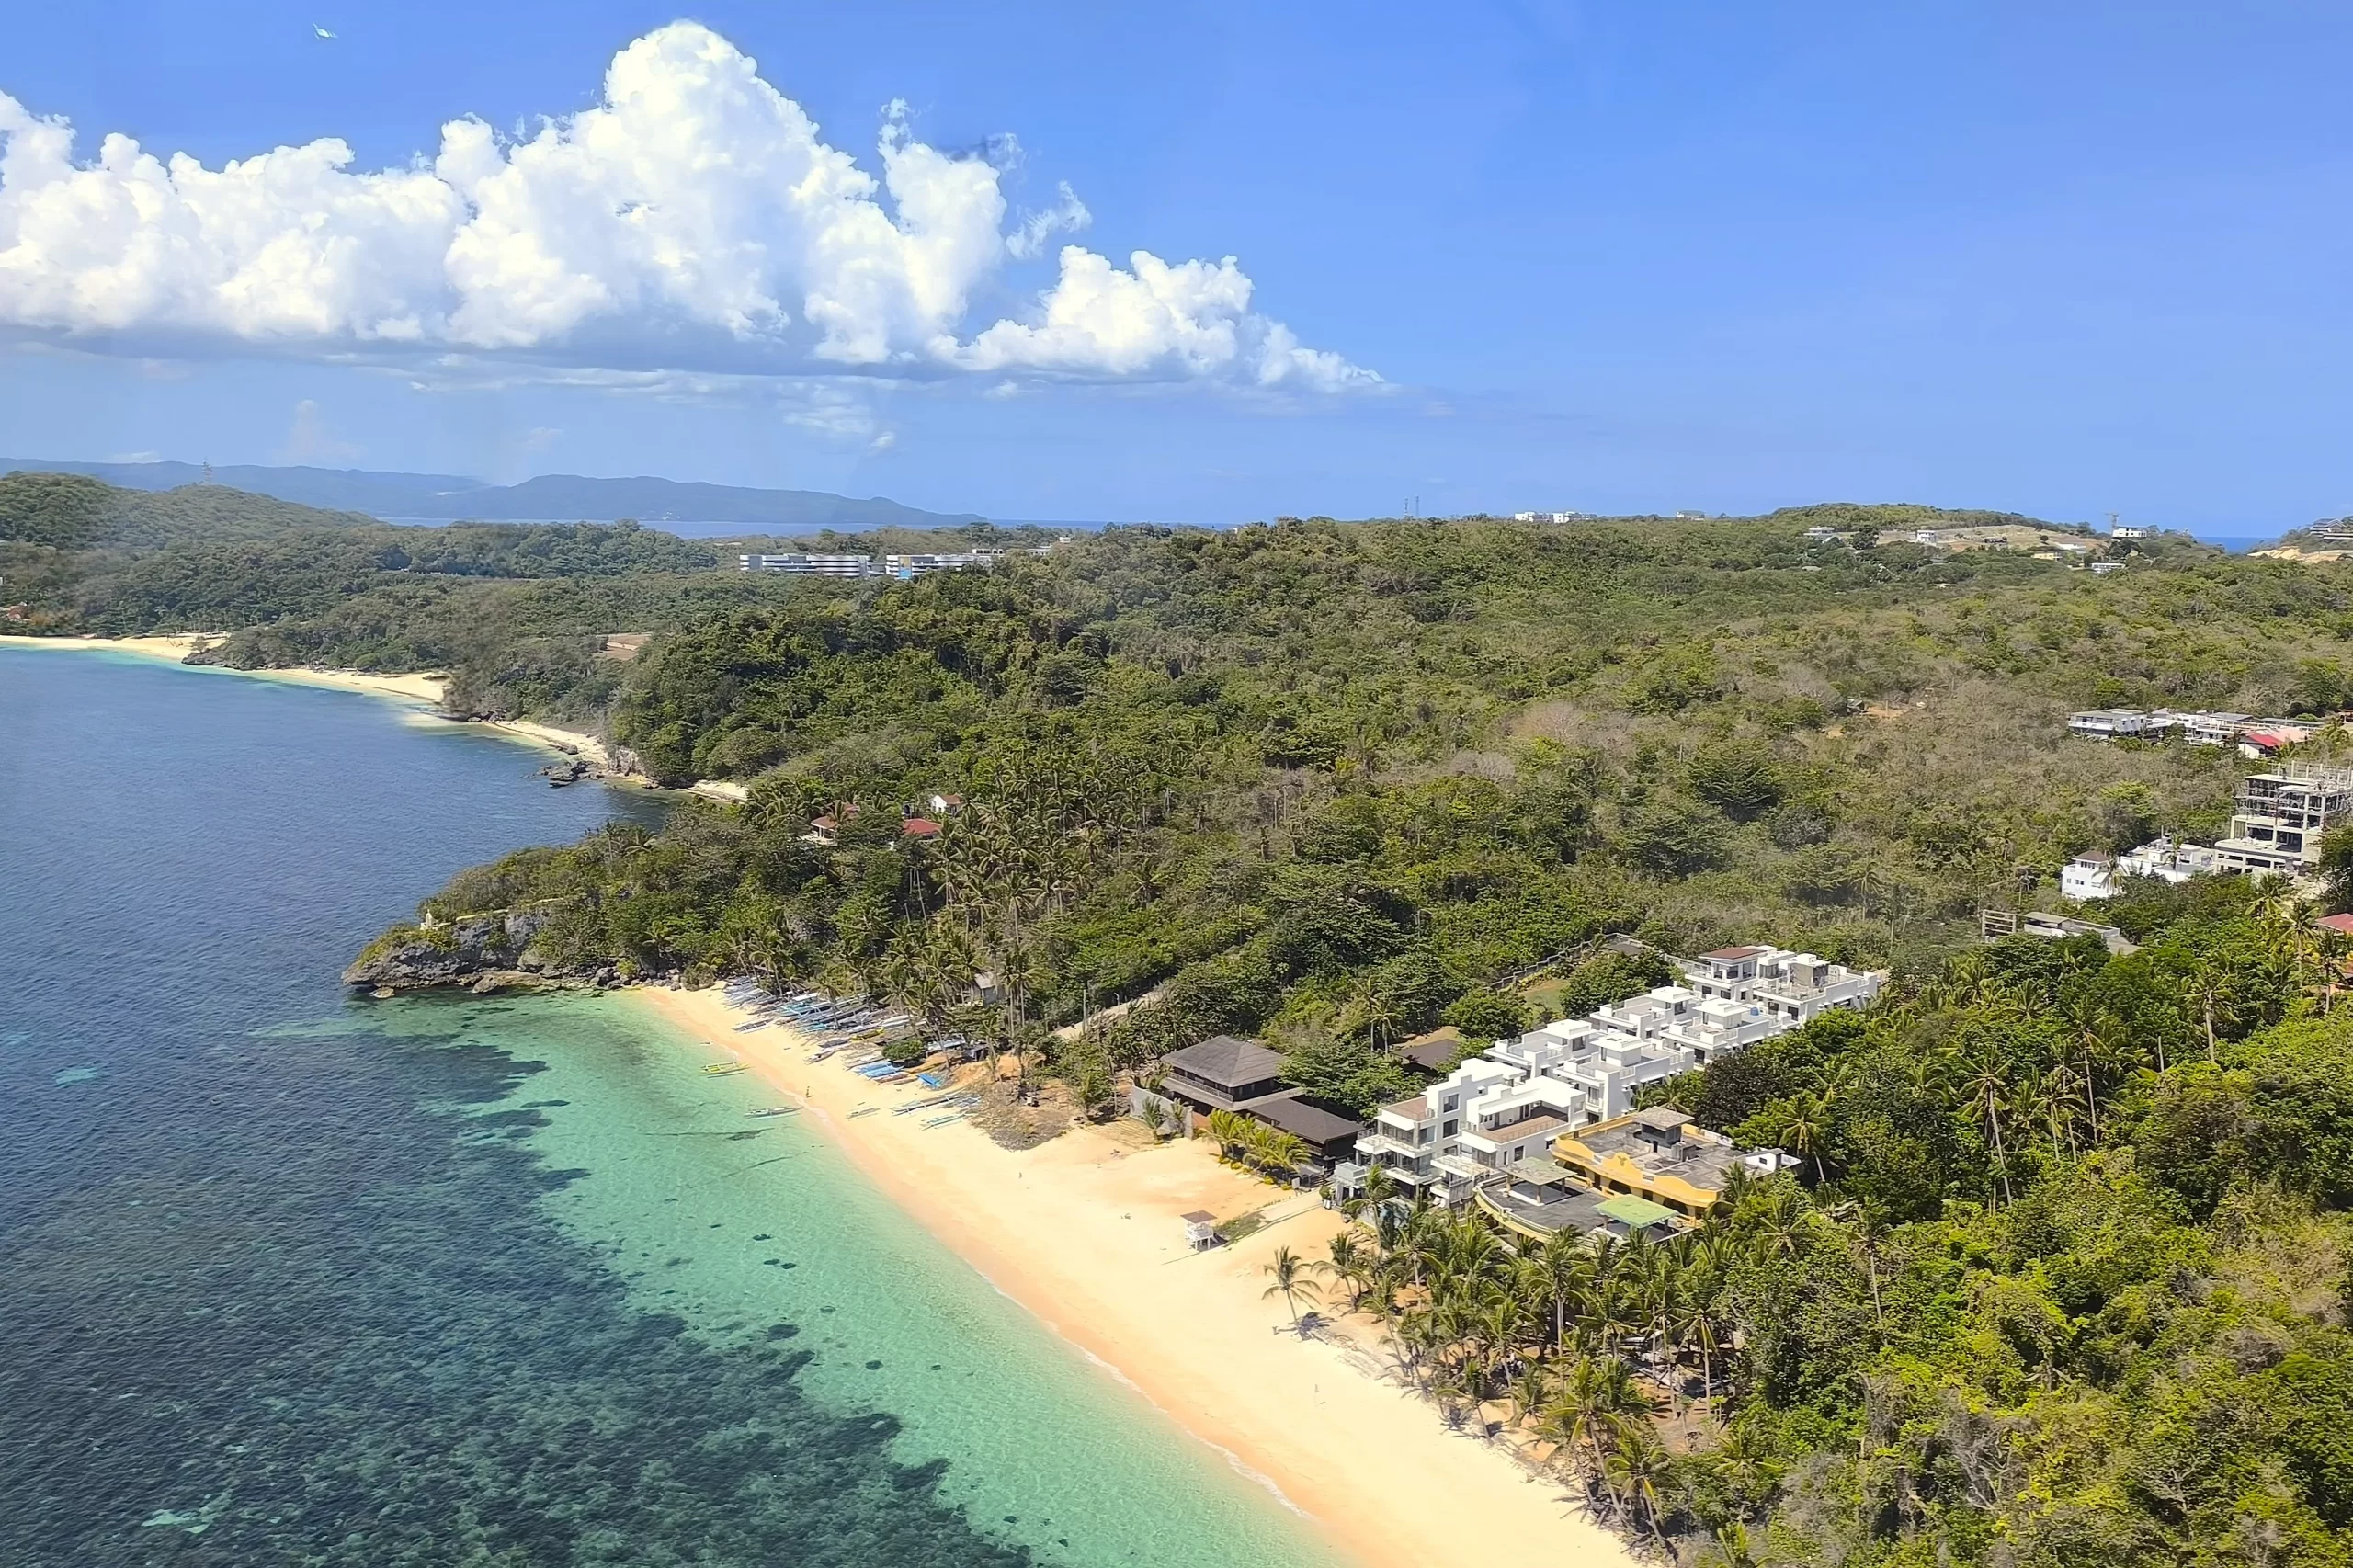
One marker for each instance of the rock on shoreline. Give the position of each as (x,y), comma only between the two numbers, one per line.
(486,952)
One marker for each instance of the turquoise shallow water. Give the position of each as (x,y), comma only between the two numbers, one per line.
(288,1278)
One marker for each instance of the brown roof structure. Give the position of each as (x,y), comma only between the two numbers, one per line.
(1734,953)
(1222,1059)
(1432,1054)
(1309,1124)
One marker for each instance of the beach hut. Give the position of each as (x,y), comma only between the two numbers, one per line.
(1200,1229)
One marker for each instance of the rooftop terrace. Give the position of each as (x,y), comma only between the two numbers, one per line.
(1660,1142)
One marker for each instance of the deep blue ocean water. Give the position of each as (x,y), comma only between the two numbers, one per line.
(292,1278)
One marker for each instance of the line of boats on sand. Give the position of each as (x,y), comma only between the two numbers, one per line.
(857,1030)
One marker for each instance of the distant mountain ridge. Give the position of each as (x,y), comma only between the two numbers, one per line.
(557,497)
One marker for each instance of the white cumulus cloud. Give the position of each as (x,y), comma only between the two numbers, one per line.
(693,219)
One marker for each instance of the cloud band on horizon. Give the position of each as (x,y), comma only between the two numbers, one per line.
(694,217)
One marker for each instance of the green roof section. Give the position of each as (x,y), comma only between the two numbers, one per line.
(1628,1209)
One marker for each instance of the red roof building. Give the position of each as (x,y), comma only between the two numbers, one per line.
(919,827)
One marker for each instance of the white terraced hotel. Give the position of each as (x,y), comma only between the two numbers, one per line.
(1509,1103)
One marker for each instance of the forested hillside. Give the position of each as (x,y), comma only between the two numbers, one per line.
(515,612)
(1325,772)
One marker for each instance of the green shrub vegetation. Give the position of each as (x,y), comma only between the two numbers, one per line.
(2064,1276)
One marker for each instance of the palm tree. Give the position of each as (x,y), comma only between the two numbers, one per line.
(1867,1234)
(1378,1188)
(1986,1088)
(2328,952)
(1531,1391)
(1599,1393)
(1695,1328)
(1289,1271)
(1369,1008)
(1600,1297)
(1660,1283)
(1636,1463)
(1781,1217)
(1565,1262)
(1228,1129)
(1497,1328)
(1808,1120)
(1351,1264)
(2091,1025)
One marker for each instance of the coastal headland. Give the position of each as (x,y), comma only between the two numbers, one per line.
(1085,1231)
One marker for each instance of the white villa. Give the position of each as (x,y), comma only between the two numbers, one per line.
(2167,861)
(2090,875)
(1510,1103)
(2107,723)
(2276,831)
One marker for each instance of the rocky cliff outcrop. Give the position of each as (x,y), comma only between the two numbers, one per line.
(480,951)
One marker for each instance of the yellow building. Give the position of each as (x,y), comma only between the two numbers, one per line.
(1657,1155)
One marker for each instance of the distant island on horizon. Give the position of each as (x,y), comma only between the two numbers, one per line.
(679,504)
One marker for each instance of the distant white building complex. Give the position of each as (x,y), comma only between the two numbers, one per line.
(799,564)
(2255,738)
(900,566)
(1503,1114)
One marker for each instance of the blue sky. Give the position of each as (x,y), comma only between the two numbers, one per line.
(2066,259)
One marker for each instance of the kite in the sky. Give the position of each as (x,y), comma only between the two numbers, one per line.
(320,30)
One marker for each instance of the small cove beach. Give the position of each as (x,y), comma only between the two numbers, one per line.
(424,693)
(1085,1231)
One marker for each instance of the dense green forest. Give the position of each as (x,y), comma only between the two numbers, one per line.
(2064,1274)
(2063,1279)
(515,612)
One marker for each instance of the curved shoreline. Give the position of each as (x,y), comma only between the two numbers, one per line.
(422,692)
(426,689)
(1082,1231)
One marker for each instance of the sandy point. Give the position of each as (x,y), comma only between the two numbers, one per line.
(426,689)
(1085,1232)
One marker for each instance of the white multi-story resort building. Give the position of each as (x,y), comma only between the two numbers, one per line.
(2280,818)
(1492,1116)
(924,563)
(920,564)
(799,563)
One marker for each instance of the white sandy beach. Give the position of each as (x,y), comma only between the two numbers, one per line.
(422,691)
(418,689)
(1085,1232)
